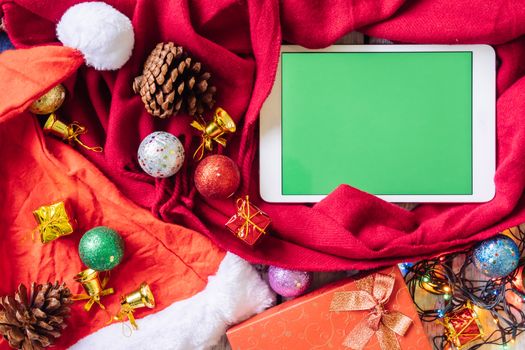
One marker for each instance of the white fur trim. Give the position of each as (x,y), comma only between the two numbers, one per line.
(235,293)
(103,34)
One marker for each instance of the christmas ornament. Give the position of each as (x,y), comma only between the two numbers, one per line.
(142,297)
(462,327)
(54,221)
(161,154)
(103,34)
(101,248)
(221,124)
(36,320)
(69,133)
(496,257)
(217,176)
(289,283)
(250,223)
(95,289)
(50,101)
(171,81)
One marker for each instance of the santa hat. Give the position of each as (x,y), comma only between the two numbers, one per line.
(93,33)
(98,35)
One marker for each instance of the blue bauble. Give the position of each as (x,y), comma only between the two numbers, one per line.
(496,257)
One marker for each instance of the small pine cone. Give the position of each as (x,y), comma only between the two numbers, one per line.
(36,322)
(171,81)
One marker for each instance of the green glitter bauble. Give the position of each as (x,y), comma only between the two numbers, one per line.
(101,248)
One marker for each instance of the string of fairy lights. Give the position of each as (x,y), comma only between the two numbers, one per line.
(463,299)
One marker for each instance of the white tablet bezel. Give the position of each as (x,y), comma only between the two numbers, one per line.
(483,127)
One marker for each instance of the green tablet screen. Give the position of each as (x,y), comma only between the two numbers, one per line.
(386,122)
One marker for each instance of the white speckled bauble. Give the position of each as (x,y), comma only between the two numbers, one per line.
(161,154)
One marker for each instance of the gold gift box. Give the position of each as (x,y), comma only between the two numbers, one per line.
(54,221)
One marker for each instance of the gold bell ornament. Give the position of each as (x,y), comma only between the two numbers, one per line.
(139,298)
(69,133)
(50,101)
(95,289)
(221,124)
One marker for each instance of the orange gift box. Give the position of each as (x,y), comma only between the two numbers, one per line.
(308,322)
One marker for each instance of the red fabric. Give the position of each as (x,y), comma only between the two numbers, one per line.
(51,62)
(239,41)
(38,170)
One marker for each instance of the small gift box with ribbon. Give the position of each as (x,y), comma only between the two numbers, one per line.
(54,221)
(375,312)
(250,223)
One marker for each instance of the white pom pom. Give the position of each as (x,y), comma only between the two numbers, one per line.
(103,34)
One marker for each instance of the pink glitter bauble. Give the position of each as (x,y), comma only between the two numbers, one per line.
(289,283)
(217,176)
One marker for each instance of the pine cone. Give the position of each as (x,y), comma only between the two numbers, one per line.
(171,81)
(34,323)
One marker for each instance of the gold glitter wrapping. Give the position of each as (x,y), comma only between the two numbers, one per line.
(50,101)
(374,292)
(221,124)
(53,222)
(95,289)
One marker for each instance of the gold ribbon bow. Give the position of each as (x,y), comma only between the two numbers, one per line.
(206,139)
(221,124)
(53,222)
(139,298)
(244,212)
(74,131)
(93,287)
(69,133)
(126,311)
(373,293)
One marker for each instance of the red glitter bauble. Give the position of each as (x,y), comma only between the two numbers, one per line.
(217,176)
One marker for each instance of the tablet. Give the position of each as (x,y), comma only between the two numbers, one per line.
(408,123)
